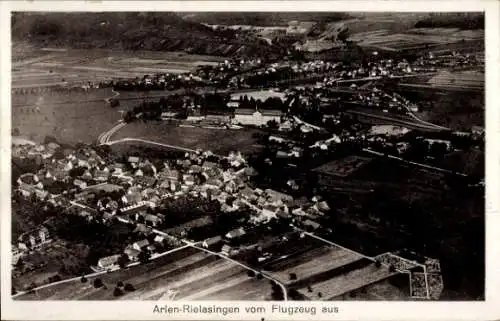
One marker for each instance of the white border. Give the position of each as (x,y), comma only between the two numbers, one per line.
(137,310)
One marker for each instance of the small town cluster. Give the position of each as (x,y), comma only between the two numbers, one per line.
(293,162)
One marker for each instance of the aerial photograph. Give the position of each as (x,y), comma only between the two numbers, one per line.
(248,156)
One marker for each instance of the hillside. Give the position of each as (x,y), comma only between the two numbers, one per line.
(130,31)
(467,21)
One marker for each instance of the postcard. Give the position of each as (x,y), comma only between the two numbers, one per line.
(282,160)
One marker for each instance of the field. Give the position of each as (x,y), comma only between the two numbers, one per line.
(188,274)
(35,67)
(415,38)
(220,141)
(325,272)
(70,117)
(383,290)
(348,282)
(312,263)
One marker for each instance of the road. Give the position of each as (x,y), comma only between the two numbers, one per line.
(447,171)
(139,140)
(417,124)
(101,272)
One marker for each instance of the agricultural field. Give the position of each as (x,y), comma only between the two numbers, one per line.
(188,274)
(70,117)
(384,290)
(326,272)
(348,282)
(220,141)
(312,263)
(45,67)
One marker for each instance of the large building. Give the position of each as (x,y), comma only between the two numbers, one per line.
(255,117)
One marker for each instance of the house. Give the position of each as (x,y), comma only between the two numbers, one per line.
(152,220)
(213,184)
(141,245)
(286,126)
(323,206)
(142,229)
(195,169)
(169,174)
(310,224)
(207,165)
(234,234)
(233,104)
(79,183)
(151,248)
(108,261)
(283,215)
(159,239)
(226,250)
(277,197)
(132,253)
(248,194)
(212,242)
(35,238)
(136,207)
(133,160)
(189,180)
(270,211)
(299,212)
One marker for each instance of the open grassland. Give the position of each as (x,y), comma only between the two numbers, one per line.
(219,141)
(70,117)
(188,274)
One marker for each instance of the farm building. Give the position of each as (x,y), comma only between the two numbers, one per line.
(141,245)
(108,261)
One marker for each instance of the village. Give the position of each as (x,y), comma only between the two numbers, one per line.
(345,173)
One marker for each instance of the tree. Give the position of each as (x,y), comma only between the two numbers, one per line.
(309,289)
(259,276)
(98,283)
(118,292)
(144,257)
(114,103)
(293,276)
(49,139)
(129,287)
(251,273)
(320,294)
(293,293)
(378,264)
(119,284)
(83,279)
(273,124)
(122,261)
